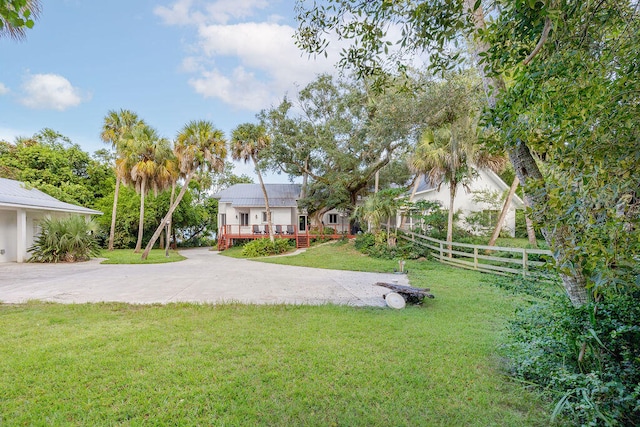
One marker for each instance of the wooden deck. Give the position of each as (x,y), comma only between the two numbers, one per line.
(228,233)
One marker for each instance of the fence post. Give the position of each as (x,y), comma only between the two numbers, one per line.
(525,262)
(475,258)
(441,254)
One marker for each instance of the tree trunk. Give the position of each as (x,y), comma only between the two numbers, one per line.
(526,169)
(266,201)
(168,232)
(558,237)
(452,197)
(503,213)
(377,181)
(531,232)
(305,179)
(112,231)
(166,218)
(141,221)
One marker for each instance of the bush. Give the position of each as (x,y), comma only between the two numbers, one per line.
(364,241)
(376,246)
(67,239)
(264,247)
(590,357)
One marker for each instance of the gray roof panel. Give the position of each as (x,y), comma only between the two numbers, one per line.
(250,195)
(18,195)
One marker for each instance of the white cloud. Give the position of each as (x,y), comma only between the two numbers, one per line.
(178,14)
(224,10)
(185,12)
(3,89)
(248,65)
(50,91)
(240,88)
(267,54)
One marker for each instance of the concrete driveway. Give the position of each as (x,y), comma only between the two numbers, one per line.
(204,277)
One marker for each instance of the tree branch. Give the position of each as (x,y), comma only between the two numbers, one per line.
(543,39)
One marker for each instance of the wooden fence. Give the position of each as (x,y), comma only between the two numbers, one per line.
(489,259)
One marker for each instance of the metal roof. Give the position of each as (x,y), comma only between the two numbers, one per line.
(16,194)
(250,195)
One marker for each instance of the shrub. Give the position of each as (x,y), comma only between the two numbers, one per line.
(590,357)
(364,241)
(65,239)
(264,247)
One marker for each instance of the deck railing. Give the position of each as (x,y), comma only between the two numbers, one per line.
(230,232)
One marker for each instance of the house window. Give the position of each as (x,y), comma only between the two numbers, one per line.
(490,216)
(333,218)
(264,216)
(244,218)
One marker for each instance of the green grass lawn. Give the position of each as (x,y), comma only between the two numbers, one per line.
(268,365)
(126,256)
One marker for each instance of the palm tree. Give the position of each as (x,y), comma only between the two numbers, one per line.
(166,176)
(380,206)
(449,155)
(247,142)
(198,146)
(148,153)
(13,22)
(116,126)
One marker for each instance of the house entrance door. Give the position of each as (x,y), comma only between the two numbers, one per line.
(302,223)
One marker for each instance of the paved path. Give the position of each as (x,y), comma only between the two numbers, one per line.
(204,276)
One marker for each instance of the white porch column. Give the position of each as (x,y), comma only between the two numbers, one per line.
(21,235)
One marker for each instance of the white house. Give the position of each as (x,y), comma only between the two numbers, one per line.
(242,213)
(241,207)
(21,210)
(487,181)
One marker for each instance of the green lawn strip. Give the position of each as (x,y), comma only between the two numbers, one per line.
(127,256)
(266,365)
(336,256)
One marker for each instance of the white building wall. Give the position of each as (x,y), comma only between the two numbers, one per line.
(341,224)
(279,216)
(8,236)
(464,199)
(9,232)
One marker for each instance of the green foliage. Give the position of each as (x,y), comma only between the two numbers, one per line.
(376,245)
(339,137)
(565,104)
(380,207)
(602,387)
(16,16)
(265,247)
(430,218)
(67,239)
(51,163)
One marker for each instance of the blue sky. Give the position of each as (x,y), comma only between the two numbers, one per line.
(169,61)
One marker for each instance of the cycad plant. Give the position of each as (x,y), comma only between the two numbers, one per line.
(67,239)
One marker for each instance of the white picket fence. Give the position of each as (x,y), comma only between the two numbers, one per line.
(484,258)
